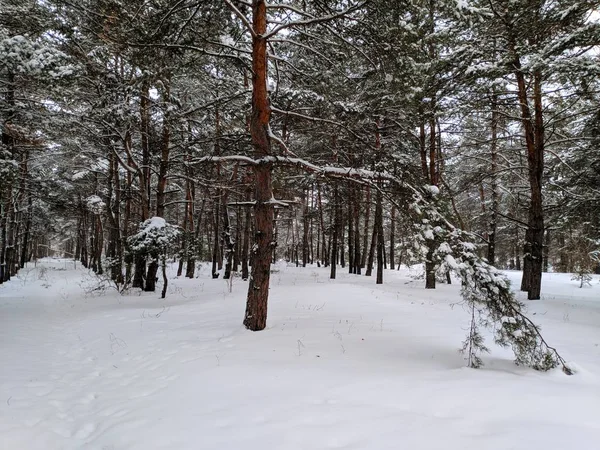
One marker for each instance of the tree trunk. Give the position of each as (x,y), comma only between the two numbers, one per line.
(380,237)
(350,233)
(334,239)
(357,255)
(322,224)
(493,225)
(164,275)
(246,239)
(534,139)
(393,238)
(228,241)
(430,270)
(363,261)
(151,275)
(545,263)
(255,317)
(305,224)
(369,270)
(216,223)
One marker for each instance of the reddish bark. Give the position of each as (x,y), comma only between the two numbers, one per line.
(255,318)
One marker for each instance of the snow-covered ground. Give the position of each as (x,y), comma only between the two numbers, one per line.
(343,364)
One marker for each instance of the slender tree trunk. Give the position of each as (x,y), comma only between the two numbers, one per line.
(184,238)
(228,242)
(322,224)
(305,224)
(357,255)
(246,239)
(380,237)
(334,243)
(216,224)
(363,261)
(393,238)
(369,270)
(546,251)
(350,210)
(493,226)
(163,294)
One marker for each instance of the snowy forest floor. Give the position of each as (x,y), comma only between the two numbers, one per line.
(343,364)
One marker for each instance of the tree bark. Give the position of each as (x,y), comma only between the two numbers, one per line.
(493,225)
(534,139)
(305,224)
(380,237)
(255,318)
(334,238)
(393,238)
(363,261)
(350,233)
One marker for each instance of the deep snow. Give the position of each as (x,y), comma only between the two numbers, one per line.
(343,364)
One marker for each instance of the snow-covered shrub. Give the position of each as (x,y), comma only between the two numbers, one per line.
(154,238)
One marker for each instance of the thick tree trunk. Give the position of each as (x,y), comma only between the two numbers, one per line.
(430,270)
(151,276)
(534,139)
(255,317)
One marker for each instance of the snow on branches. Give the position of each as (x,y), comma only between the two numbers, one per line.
(23,55)
(154,237)
(486,290)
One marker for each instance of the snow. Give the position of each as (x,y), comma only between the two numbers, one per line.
(343,364)
(95,204)
(155,223)
(432,189)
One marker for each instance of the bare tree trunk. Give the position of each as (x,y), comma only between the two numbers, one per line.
(363,261)
(246,243)
(255,318)
(369,270)
(216,225)
(305,224)
(393,238)
(228,241)
(493,226)
(546,251)
(161,187)
(322,255)
(357,255)
(380,237)
(350,233)
(334,243)
(144,175)
(534,139)
(164,276)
